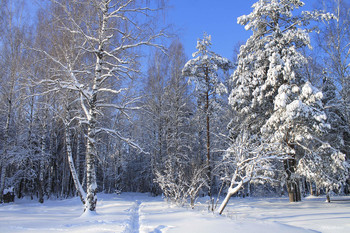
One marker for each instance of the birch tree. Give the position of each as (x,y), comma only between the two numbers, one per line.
(105,36)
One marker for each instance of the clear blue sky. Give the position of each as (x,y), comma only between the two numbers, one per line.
(216,17)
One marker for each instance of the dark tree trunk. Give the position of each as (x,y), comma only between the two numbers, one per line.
(19,191)
(311,189)
(40,191)
(293,183)
(209,172)
(2,181)
(328,195)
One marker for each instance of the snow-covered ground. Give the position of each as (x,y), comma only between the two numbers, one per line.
(134,212)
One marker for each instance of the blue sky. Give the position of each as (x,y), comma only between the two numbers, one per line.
(216,17)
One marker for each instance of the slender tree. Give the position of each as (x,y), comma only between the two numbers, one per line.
(203,71)
(179,175)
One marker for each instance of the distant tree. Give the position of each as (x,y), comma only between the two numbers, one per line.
(178,175)
(14,66)
(334,41)
(335,108)
(155,111)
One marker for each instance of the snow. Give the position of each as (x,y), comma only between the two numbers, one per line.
(312,213)
(134,212)
(8,190)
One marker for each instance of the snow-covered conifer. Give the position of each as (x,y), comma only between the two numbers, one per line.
(203,71)
(270,91)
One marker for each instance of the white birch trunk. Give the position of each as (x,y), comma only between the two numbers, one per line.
(78,162)
(50,169)
(230,193)
(42,167)
(91,199)
(49,182)
(78,187)
(91,184)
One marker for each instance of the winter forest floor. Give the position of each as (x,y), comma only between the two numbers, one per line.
(134,212)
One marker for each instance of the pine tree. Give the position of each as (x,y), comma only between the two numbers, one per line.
(203,71)
(270,92)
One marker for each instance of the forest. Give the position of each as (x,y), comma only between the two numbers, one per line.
(99,96)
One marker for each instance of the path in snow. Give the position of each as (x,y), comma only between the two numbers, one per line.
(134,225)
(140,213)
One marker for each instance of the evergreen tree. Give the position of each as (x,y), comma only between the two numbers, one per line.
(203,71)
(270,92)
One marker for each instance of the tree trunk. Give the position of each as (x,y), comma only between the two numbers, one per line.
(230,193)
(41,170)
(63,179)
(210,194)
(2,181)
(224,203)
(248,190)
(91,199)
(41,182)
(317,190)
(311,189)
(327,195)
(77,185)
(293,189)
(3,162)
(79,162)
(293,184)
(49,180)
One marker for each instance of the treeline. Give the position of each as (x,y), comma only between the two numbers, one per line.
(82,113)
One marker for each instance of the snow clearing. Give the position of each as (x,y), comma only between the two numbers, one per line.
(135,212)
